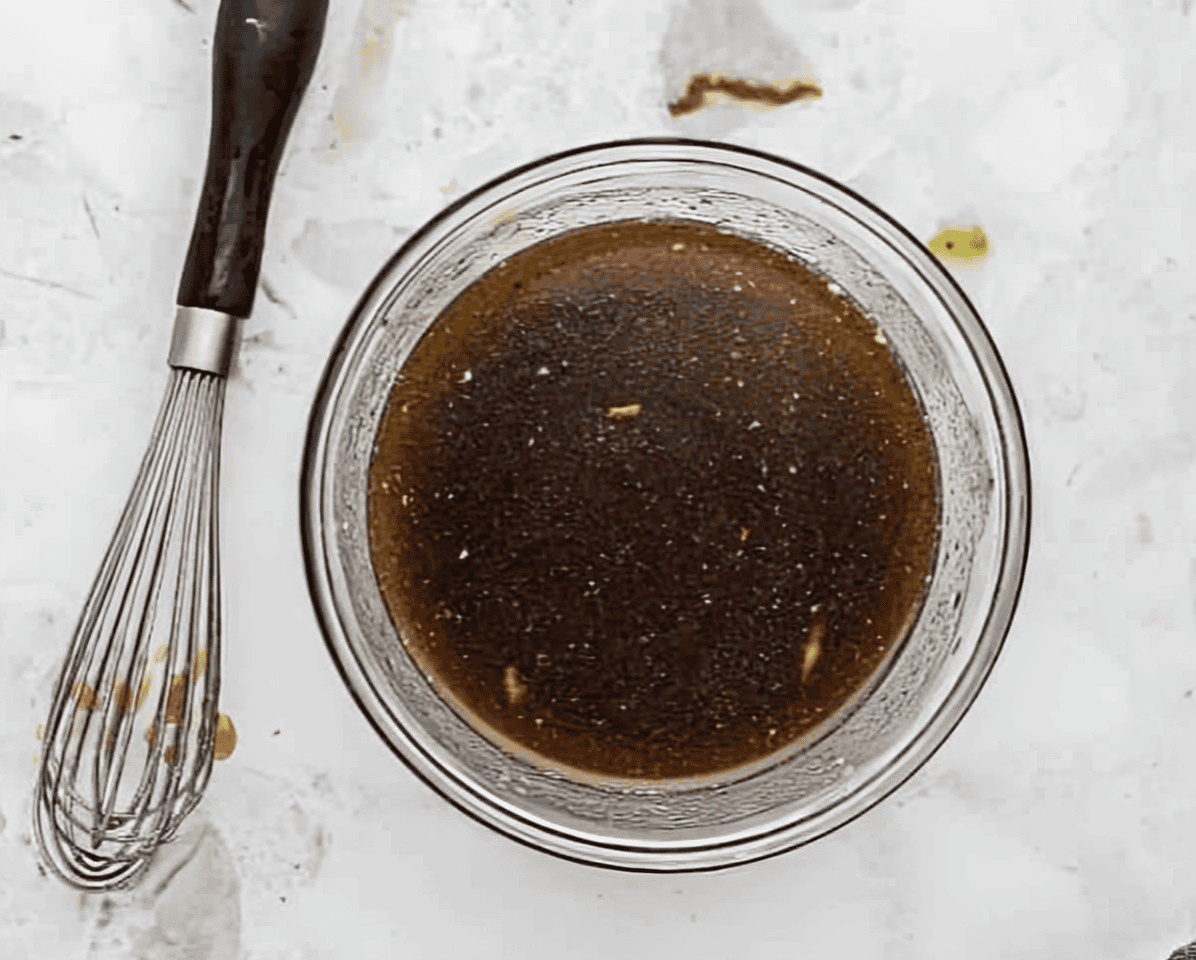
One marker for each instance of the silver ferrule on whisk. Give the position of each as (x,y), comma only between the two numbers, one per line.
(204,340)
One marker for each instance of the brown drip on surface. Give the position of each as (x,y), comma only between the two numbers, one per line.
(702,84)
(649,500)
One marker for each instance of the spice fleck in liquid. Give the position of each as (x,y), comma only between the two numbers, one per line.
(649,500)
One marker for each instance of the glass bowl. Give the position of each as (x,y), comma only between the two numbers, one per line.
(906,710)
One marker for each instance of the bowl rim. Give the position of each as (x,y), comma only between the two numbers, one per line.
(1010,561)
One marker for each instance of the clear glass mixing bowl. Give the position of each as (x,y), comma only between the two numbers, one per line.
(897,722)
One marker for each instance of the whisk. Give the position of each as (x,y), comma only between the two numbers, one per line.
(130,739)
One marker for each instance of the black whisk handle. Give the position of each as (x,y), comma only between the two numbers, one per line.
(263,57)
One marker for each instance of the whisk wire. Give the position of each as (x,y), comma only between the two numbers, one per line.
(189,583)
(206,603)
(100,594)
(96,825)
(144,587)
(96,609)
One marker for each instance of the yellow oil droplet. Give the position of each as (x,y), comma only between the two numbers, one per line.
(40,733)
(84,696)
(744,533)
(503,216)
(960,245)
(176,699)
(142,693)
(224,740)
(161,653)
(201,661)
(625,412)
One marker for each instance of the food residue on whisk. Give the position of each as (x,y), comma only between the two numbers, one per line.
(176,698)
(85,696)
(224,740)
(125,702)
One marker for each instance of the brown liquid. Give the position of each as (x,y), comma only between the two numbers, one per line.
(649,500)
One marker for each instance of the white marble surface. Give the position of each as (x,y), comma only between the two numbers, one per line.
(1054,823)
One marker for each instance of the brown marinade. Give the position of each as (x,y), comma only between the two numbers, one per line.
(650,500)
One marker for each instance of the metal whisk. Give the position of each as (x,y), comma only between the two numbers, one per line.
(134,723)
(95,826)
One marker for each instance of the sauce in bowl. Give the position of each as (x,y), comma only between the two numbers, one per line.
(650,500)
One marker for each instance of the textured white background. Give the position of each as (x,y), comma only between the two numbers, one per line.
(1056,822)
